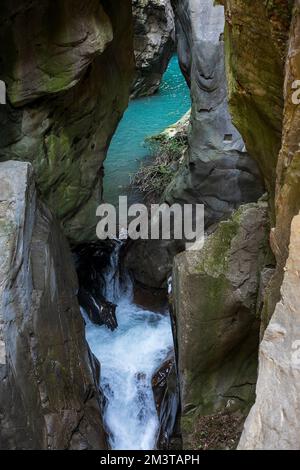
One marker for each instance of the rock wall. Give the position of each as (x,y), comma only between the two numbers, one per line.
(154,36)
(287,194)
(217,172)
(68,67)
(273,422)
(49,395)
(261,91)
(256,79)
(255,36)
(217,318)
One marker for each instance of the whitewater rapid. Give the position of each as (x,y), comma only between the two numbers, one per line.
(129,357)
(131,354)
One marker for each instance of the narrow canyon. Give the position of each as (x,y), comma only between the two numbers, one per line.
(125,344)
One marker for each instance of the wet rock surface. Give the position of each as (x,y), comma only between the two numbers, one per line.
(49,381)
(99,310)
(166,395)
(92,261)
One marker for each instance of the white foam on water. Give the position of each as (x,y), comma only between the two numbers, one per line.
(129,356)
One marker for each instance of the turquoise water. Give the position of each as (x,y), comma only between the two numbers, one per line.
(143,118)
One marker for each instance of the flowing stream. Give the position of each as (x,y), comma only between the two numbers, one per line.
(129,357)
(144,117)
(131,354)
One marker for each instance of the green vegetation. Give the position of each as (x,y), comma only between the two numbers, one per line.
(153,178)
(215,253)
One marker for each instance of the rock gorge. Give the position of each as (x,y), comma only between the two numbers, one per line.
(68,67)
(262,52)
(69,71)
(217,171)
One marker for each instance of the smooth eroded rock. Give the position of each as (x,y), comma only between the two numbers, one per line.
(273,422)
(49,385)
(217,172)
(215,292)
(68,66)
(154,36)
(256,35)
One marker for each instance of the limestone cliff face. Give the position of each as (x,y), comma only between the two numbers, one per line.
(255,36)
(217,172)
(68,67)
(154,36)
(217,316)
(273,422)
(261,93)
(49,396)
(287,195)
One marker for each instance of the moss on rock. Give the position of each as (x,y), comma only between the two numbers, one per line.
(256,36)
(68,79)
(215,303)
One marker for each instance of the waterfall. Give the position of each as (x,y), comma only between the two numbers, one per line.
(142,342)
(129,357)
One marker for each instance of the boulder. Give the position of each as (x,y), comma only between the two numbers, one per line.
(154,43)
(215,292)
(150,262)
(49,381)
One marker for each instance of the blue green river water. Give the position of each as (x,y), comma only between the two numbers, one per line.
(144,117)
(131,354)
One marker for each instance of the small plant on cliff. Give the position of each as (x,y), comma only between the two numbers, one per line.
(153,177)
